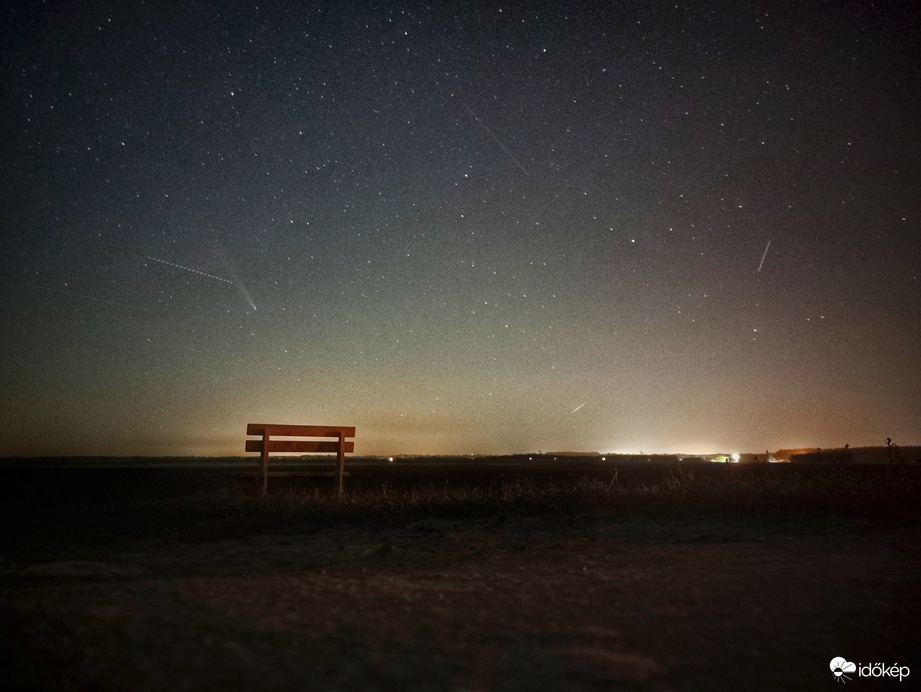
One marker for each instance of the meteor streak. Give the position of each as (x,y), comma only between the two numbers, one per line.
(763,256)
(578,407)
(246,295)
(230,266)
(498,141)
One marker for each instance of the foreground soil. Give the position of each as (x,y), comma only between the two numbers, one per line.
(575,602)
(166,579)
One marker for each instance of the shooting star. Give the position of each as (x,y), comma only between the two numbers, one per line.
(578,407)
(187,269)
(246,295)
(763,256)
(498,141)
(231,266)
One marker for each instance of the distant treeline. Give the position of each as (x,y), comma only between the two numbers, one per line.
(856,455)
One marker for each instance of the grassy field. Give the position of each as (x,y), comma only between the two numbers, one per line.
(454,574)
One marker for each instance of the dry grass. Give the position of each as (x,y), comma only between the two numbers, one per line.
(114,506)
(758,488)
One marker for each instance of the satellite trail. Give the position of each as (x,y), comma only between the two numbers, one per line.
(763,256)
(187,269)
(498,141)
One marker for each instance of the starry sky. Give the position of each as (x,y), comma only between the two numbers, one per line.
(477,227)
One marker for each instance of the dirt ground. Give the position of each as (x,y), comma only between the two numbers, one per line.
(581,602)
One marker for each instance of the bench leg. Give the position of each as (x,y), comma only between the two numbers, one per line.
(340,464)
(264,465)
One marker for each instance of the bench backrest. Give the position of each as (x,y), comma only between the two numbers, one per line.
(270,432)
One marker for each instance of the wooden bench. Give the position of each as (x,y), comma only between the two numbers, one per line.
(269,444)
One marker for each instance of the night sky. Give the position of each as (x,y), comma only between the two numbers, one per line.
(460,227)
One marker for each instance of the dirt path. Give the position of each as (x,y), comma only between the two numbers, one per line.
(575,603)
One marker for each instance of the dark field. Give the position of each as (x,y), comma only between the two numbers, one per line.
(451,574)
